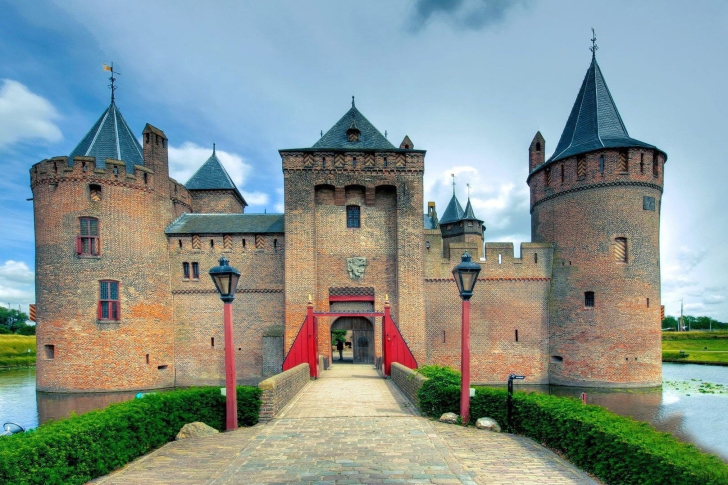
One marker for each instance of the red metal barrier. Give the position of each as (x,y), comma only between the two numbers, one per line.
(394,347)
(304,346)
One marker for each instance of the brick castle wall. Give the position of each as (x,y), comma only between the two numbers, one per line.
(617,341)
(91,354)
(216,202)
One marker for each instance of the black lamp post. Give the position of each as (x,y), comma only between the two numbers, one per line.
(226,279)
(466,275)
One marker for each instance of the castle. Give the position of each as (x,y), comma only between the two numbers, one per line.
(124,301)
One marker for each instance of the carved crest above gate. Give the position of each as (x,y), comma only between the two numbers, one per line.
(356,267)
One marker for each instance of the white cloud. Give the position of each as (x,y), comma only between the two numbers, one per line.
(25,115)
(714,299)
(256,198)
(186,159)
(16,284)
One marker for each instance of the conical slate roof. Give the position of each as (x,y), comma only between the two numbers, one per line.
(594,122)
(454,212)
(469,215)
(110,137)
(369,137)
(212,176)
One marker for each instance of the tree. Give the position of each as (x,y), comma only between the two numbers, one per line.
(338,336)
(12,320)
(670,322)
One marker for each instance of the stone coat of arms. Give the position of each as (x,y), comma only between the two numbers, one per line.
(356,267)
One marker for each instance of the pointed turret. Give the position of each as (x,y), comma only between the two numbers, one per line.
(453,212)
(212,189)
(594,122)
(406,143)
(110,137)
(469,215)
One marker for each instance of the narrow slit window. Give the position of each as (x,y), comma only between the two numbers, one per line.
(275,245)
(562,173)
(655,165)
(601,164)
(195,271)
(589,299)
(620,249)
(500,259)
(212,243)
(353,216)
(186,270)
(535,257)
(212,342)
(516,335)
(581,168)
(648,303)
(243,244)
(642,163)
(147,359)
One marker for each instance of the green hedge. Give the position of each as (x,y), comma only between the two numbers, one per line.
(80,448)
(617,449)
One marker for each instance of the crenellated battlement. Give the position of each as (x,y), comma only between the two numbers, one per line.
(642,167)
(354,161)
(84,169)
(500,261)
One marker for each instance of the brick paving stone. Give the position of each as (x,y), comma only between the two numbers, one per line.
(350,427)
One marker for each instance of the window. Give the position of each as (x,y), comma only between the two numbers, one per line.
(195,271)
(109,300)
(385,162)
(589,299)
(562,173)
(623,165)
(353,216)
(535,257)
(538,146)
(353,162)
(620,249)
(50,351)
(186,270)
(88,244)
(642,163)
(94,192)
(601,164)
(581,168)
(548,176)
(655,166)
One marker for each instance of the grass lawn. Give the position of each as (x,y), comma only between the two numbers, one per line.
(699,347)
(14,350)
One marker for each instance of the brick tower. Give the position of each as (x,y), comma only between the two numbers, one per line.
(354,198)
(597,199)
(102,271)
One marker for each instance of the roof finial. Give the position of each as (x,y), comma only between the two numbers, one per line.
(322,134)
(112,86)
(352,102)
(213,147)
(453,184)
(594,46)
(385,133)
(468,185)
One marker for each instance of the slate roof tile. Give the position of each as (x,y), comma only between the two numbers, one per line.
(227,224)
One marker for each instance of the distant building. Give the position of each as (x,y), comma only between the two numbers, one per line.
(123,251)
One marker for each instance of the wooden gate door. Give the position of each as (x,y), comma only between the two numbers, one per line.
(363,341)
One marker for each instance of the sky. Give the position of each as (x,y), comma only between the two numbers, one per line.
(470,81)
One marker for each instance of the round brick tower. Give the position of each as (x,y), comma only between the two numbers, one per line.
(102,272)
(597,199)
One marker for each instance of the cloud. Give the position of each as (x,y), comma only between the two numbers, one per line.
(186,159)
(713,299)
(470,14)
(25,115)
(256,198)
(16,284)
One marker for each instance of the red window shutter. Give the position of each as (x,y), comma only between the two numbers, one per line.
(99,311)
(79,245)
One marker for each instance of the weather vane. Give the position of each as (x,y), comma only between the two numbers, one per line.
(594,46)
(112,86)
(453,183)
(352,102)
(468,185)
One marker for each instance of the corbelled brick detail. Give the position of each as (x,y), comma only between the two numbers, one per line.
(279,389)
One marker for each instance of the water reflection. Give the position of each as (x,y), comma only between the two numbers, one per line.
(55,406)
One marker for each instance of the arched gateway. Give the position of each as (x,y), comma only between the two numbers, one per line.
(362,337)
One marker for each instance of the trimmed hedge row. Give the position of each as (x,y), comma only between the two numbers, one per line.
(80,448)
(617,449)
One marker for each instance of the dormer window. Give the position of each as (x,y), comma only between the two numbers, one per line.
(353,132)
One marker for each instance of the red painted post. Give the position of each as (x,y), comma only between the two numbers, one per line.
(231,399)
(386,340)
(465,364)
(312,344)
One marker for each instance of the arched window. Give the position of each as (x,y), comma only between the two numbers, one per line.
(620,249)
(353,216)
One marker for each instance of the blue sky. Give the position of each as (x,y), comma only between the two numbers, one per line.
(470,81)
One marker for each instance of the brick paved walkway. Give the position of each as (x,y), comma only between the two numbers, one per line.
(350,427)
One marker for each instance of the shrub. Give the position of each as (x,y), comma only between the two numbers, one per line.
(615,448)
(80,448)
(441,392)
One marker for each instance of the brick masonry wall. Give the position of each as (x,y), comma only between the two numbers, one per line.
(89,354)
(279,389)
(617,342)
(408,381)
(390,236)
(257,309)
(510,295)
(216,202)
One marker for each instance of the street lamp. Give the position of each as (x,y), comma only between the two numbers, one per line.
(465,274)
(226,279)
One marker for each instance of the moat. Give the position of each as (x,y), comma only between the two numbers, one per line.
(686,407)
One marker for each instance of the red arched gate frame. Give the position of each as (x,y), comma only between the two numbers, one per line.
(305,350)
